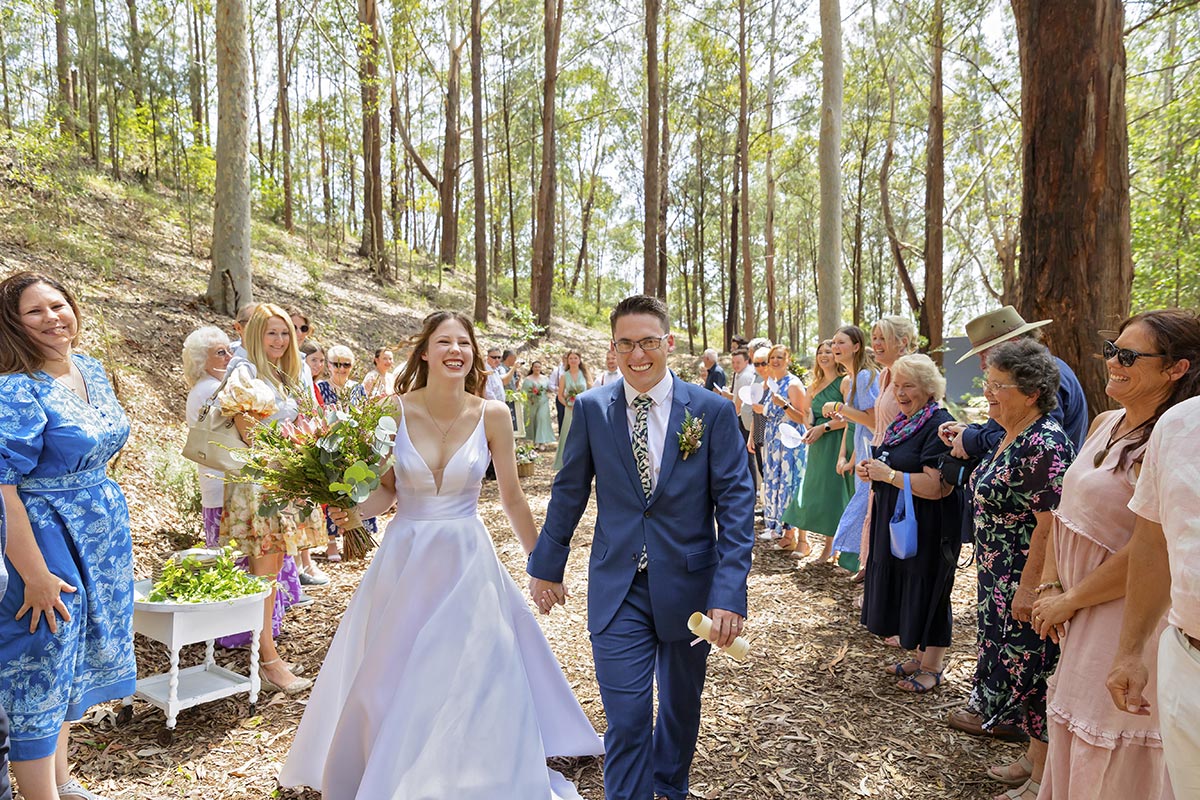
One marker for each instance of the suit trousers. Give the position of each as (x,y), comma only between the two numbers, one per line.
(641,763)
(751,462)
(1179,710)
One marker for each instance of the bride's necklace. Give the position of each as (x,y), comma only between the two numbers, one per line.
(1113,439)
(445,433)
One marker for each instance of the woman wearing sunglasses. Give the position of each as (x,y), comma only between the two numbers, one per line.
(206,354)
(340,389)
(1153,363)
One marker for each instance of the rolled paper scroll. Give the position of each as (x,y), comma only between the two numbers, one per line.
(701,625)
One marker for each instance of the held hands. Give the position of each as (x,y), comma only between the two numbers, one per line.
(43,598)
(726,626)
(1051,611)
(1127,683)
(547,594)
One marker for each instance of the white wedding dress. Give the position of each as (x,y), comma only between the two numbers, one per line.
(439,684)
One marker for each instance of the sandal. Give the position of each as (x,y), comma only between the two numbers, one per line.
(296,686)
(911,684)
(1021,791)
(898,669)
(1014,774)
(74,788)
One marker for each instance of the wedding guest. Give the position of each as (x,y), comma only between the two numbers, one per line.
(239,327)
(314,359)
(1096,750)
(860,390)
(824,492)
(493,390)
(1014,491)
(783,466)
(611,374)
(555,378)
(891,338)
(5,786)
(744,376)
(716,374)
(378,381)
(339,388)
(758,431)
(308,573)
(66,619)
(1164,558)
(910,597)
(572,382)
(510,379)
(985,332)
(536,388)
(206,354)
(272,357)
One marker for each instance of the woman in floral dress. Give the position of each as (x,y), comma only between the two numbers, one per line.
(783,466)
(66,620)
(1015,490)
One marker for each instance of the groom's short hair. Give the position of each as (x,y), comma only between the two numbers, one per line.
(641,304)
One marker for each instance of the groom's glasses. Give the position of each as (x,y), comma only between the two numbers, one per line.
(647,344)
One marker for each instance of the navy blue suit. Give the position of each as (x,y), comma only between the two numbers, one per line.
(698,531)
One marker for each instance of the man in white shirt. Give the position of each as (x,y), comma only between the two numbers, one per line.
(611,374)
(493,390)
(555,377)
(744,375)
(1164,573)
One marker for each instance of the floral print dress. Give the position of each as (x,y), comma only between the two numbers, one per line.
(783,467)
(55,448)
(1007,489)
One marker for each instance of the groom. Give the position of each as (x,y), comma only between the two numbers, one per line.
(673,536)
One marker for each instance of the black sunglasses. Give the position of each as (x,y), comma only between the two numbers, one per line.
(1125,356)
(302,328)
(760,363)
(341,364)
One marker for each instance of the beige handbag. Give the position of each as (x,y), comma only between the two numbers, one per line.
(214,441)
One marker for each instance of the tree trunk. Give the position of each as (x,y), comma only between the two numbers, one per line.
(930,323)
(1076,266)
(829,257)
(254,85)
(481,270)
(508,172)
(735,197)
(542,267)
(135,53)
(62,69)
(650,155)
(769,228)
(229,284)
(664,172)
(373,242)
(744,167)
(452,144)
(285,120)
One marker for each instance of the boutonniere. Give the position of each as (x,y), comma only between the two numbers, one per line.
(691,434)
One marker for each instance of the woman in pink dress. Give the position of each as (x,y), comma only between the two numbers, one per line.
(1097,752)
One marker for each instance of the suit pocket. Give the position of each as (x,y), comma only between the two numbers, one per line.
(702,559)
(599,550)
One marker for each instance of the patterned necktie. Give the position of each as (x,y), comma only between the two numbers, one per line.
(641,444)
(641,457)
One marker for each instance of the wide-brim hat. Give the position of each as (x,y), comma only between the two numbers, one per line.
(990,329)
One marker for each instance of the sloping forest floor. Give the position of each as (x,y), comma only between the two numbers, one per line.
(809,715)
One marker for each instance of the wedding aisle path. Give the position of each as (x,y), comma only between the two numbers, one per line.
(809,715)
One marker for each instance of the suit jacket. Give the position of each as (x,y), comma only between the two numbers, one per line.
(697,526)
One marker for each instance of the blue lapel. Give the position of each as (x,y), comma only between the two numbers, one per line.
(618,425)
(680,401)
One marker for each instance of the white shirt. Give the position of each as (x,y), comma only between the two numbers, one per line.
(212,483)
(656,423)
(494,388)
(1168,492)
(746,377)
(555,374)
(606,378)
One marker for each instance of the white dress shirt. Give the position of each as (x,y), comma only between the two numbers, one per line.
(607,378)
(494,388)
(656,423)
(746,377)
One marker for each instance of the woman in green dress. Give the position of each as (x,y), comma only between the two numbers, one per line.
(536,388)
(574,381)
(823,494)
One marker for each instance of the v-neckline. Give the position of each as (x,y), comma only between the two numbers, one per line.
(87,389)
(437,487)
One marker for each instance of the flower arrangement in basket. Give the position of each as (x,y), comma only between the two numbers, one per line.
(328,456)
(527,454)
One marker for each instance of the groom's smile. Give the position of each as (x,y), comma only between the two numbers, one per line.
(642,368)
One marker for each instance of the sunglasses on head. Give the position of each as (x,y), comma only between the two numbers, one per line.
(1126,357)
(341,364)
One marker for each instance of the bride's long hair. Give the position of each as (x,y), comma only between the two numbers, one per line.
(416,371)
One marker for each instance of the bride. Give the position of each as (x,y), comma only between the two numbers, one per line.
(439,683)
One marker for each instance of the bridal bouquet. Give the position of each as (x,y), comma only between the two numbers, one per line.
(328,456)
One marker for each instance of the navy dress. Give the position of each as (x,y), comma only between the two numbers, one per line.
(911,597)
(55,448)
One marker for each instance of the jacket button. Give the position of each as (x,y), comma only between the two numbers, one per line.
(646,514)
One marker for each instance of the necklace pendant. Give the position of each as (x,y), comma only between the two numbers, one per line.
(1099,459)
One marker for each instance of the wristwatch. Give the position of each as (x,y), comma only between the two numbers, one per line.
(827,427)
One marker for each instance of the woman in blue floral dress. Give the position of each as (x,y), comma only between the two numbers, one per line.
(861,390)
(1014,491)
(66,621)
(783,467)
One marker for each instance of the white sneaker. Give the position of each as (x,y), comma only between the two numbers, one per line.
(74,789)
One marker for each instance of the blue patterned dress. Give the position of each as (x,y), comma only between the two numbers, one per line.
(54,447)
(848,539)
(783,467)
